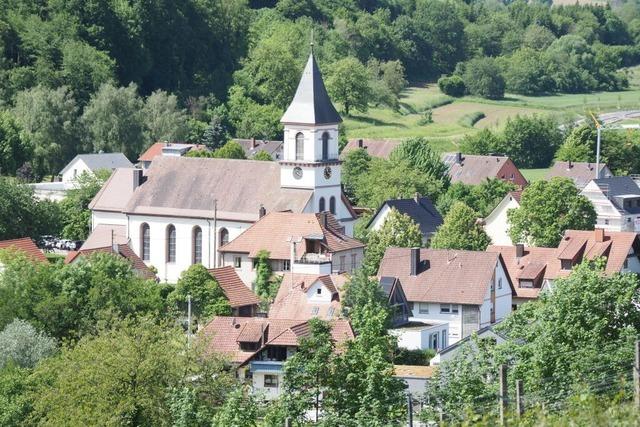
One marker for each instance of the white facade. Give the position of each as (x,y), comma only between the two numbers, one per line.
(609,217)
(74,169)
(426,336)
(431,312)
(496,224)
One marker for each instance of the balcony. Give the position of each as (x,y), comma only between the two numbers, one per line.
(313,258)
(266,366)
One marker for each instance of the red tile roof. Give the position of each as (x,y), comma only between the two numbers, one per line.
(156,150)
(25,245)
(292,303)
(124,251)
(234,289)
(615,245)
(381,148)
(474,169)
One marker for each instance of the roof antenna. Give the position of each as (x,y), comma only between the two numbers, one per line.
(311,44)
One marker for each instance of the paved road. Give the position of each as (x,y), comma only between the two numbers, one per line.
(615,116)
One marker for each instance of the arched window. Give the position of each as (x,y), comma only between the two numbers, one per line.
(197,245)
(224,236)
(171,243)
(325,146)
(332,205)
(299,146)
(321,206)
(145,242)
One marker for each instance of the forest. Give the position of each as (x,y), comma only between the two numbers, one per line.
(84,76)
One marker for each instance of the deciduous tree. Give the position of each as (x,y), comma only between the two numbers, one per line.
(348,85)
(460,230)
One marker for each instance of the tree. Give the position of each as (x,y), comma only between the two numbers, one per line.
(360,290)
(216,134)
(24,345)
(15,149)
(263,156)
(230,150)
(547,209)
(239,410)
(417,152)
(76,218)
(15,406)
(354,166)
(266,288)
(483,77)
(207,297)
(163,119)
(398,230)
(452,85)
(48,118)
(114,120)
(531,141)
(526,73)
(577,146)
(460,230)
(481,198)
(348,84)
(484,142)
(84,69)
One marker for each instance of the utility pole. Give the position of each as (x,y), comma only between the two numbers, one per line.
(599,132)
(188,320)
(503,393)
(519,399)
(636,376)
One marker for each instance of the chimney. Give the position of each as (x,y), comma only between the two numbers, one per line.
(360,143)
(415,261)
(458,157)
(519,250)
(599,234)
(137,178)
(254,144)
(416,197)
(570,164)
(262,212)
(325,219)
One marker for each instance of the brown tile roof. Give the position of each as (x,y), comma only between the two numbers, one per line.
(195,187)
(223,334)
(615,245)
(573,249)
(25,245)
(116,191)
(123,250)
(475,170)
(273,230)
(381,148)
(156,150)
(100,237)
(234,289)
(253,332)
(291,301)
(516,195)
(580,172)
(450,276)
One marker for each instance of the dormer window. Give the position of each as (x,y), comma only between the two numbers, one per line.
(566,264)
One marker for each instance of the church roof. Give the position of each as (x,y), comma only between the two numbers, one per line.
(311,104)
(193,187)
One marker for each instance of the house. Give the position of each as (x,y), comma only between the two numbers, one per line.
(496,225)
(532,269)
(253,146)
(380,148)
(305,296)
(420,209)
(449,352)
(121,250)
(474,170)
(617,202)
(581,173)
(243,302)
(175,149)
(259,347)
(183,209)
(24,245)
(90,163)
(466,289)
(314,242)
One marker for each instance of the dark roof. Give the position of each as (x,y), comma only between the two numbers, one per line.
(618,186)
(252,147)
(311,104)
(387,284)
(420,210)
(580,172)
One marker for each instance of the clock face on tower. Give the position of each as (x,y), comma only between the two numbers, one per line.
(297,172)
(327,172)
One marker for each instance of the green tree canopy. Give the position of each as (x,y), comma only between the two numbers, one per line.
(483,77)
(531,141)
(481,198)
(15,148)
(460,230)
(417,152)
(348,85)
(354,166)
(75,213)
(163,118)
(24,345)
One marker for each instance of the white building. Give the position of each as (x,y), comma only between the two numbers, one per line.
(90,163)
(496,225)
(184,209)
(616,201)
(466,289)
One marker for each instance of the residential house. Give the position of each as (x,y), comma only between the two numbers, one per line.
(259,347)
(581,173)
(380,148)
(184,209)
(420,209)
(314,242)
(121,250)
(466,289)
(533,269)
(474,170)
(90,163)
(253,146)
(174,149)
(243,302)
(617,202)
(23,245)
(496,225)
(448,353)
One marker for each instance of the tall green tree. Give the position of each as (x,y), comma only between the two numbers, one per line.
(531,141)
(163,118)
(417,152)
(348,85)
(547,209)
(84,69)
(354,166)
(482,198)
(23,345)
(460,230)
(483,77)
(15,148)
(76,216)
(265,286)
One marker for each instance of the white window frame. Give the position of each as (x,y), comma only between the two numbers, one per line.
(449,309)
(422,310)
(237,262)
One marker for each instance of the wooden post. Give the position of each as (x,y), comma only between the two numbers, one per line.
(410,409)
(636,375)
(519,399)
(503,393)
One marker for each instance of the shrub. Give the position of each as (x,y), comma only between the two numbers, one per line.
(438,101)
(452,85)
(483,77)
(468,120)
(24,345)
(427,117)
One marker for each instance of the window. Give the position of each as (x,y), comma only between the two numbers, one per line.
(254,264)
(449,308)
(319,291)
(325,146)
(171,243)
(434,341)
(526,283)
(499,282)
(270,381)
(224,236)
(299,146)
(423,308)
(444,339)
(343,261)
(332,205)
(286,265)
(237,262)
(606,222)
(145,242)
(315,310)
(626,263)
(197,245)
(565,264)
(321,206)
(354,259)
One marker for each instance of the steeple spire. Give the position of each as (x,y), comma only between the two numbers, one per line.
(311,104)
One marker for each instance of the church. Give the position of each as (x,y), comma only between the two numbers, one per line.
(182,209)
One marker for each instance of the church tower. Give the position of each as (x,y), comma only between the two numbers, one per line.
(310,151)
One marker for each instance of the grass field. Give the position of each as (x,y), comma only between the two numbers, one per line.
(533,175)
(449,114)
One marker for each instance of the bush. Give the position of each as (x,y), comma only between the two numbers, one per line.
(468,120)
(24,345)
(427,117)
(452,86)
(438,101)
(413,357)
(483,77)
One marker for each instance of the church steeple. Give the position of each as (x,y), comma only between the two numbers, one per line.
(311,104)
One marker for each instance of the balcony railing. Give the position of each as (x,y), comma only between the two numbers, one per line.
(266,366)
(313,258)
